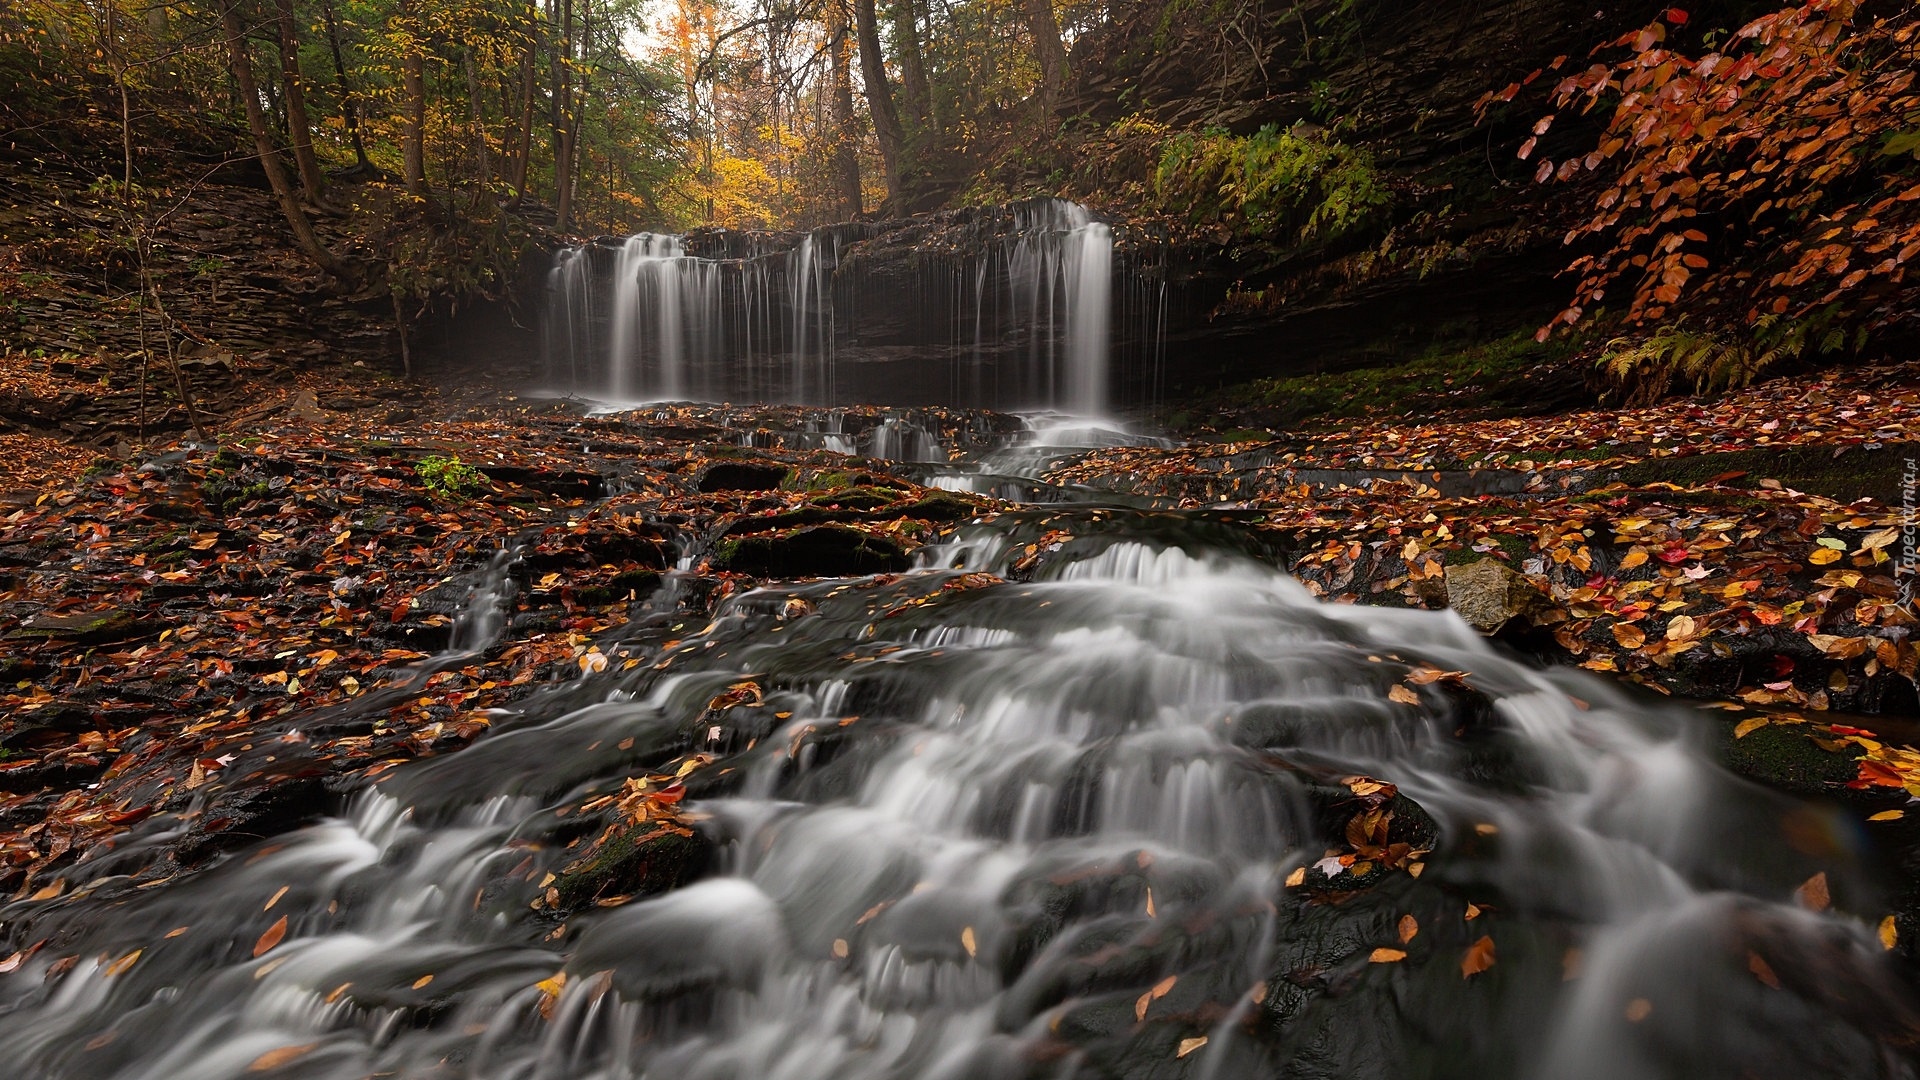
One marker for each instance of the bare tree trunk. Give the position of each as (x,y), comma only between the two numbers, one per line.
(521,151)
(886,122)
(564,133)
(1047,48)
(349,105)
(483,167)
(914,93)
(846,166)
(242,67)
(413,111)
(299,129)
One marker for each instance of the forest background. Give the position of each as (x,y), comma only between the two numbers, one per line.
(1737,181)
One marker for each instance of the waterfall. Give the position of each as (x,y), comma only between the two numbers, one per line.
(762,317)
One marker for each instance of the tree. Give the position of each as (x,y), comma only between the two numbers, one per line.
(846,166)
(1048,49)
(241,66)
(293,92)
(886,122)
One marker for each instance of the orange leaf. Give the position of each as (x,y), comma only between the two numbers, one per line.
(1812,893)
(273,1059)
(271,938)
(1478,959)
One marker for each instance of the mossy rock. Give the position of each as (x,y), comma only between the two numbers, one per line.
(1813,469)
(1784,757)
(643,861)
(818,551)
(94,628)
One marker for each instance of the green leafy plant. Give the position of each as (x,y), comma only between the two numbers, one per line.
(1643,370)
(446,476)
(1270,183)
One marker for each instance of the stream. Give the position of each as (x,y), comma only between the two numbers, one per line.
(1086,824)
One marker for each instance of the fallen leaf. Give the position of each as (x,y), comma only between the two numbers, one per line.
(1188,1046)
(271,938)
(1628,635)
(123,963)
(1762,970)
(1409,926)
(273,1059)
(1887,815)
(1403,695)
(1889,933)
(1297,878)
(1750,725)
(1638,1009)
(1812,893)
(1386,956)
(967,941)
(1479,958)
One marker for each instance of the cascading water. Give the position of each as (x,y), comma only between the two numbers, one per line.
(752,317)
(1082,826)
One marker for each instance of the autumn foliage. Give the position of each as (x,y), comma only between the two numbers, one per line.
(1767,182)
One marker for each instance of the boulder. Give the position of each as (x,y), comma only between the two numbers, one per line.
(1488,594)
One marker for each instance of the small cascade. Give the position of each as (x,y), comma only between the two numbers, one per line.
(898,439)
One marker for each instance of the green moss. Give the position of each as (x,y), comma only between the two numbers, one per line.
(1784,756)
(1463,376)
(626,866)
(1875,473)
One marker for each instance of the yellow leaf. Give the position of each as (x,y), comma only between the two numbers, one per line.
(1750,725)
(552,987)
(1888,815)
(1633,559)
(1188,1046)
(967,941)
(1386,956)
(1889,934)
(1297,878)
(422,981)
(1823,556)
(123,963)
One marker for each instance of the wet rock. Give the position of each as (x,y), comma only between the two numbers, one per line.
(266,806)
(1489,595)
(90,628)
(740,476)
(642,860)
(819,551)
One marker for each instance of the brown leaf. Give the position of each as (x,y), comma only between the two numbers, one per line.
(1403,695)
(1409,926)
(271,938)
(1628,635)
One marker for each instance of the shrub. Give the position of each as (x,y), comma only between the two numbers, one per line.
(447,476)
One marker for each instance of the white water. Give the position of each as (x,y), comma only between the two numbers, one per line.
(979,855)
(765,327)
